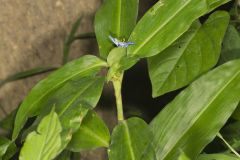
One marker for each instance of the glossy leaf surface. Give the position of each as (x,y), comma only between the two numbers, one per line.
(116,18)
(79,96)
(44,143)
(191,55)
(71,120)
(130,140)
(198,111)
(82,67)
(165,22)
(93,133)
(73,100)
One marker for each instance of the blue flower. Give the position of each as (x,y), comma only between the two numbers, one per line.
(119,43)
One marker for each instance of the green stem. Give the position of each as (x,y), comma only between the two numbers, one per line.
(228,145)
(117,84)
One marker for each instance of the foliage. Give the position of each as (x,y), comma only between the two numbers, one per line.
(44,143)
(181,51)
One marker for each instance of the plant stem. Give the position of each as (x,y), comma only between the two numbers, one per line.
(228,145)
(117,84)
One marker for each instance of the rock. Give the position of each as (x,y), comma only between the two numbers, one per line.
(32,35)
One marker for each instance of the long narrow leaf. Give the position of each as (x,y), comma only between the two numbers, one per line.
(44,143)
(70,39)
(198,111)
(131,140)
(73,100)
(26,74)
(116,18)
(83,67)
(194,53)
(165,22)
(93,133)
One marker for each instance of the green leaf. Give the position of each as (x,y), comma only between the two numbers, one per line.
(11,151)
(85,66)
(131,140)
(73,100)
(114,61)
(165,22)
(43,144)
(4,144)
(194,53)
(116,18)
(217,157)
(115,56)
(198,111)
(71,120)
(93,133)
(183,157)
(231,45)
(70,39)
(74,30)
(230,148)
(118,62)
(26,74)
